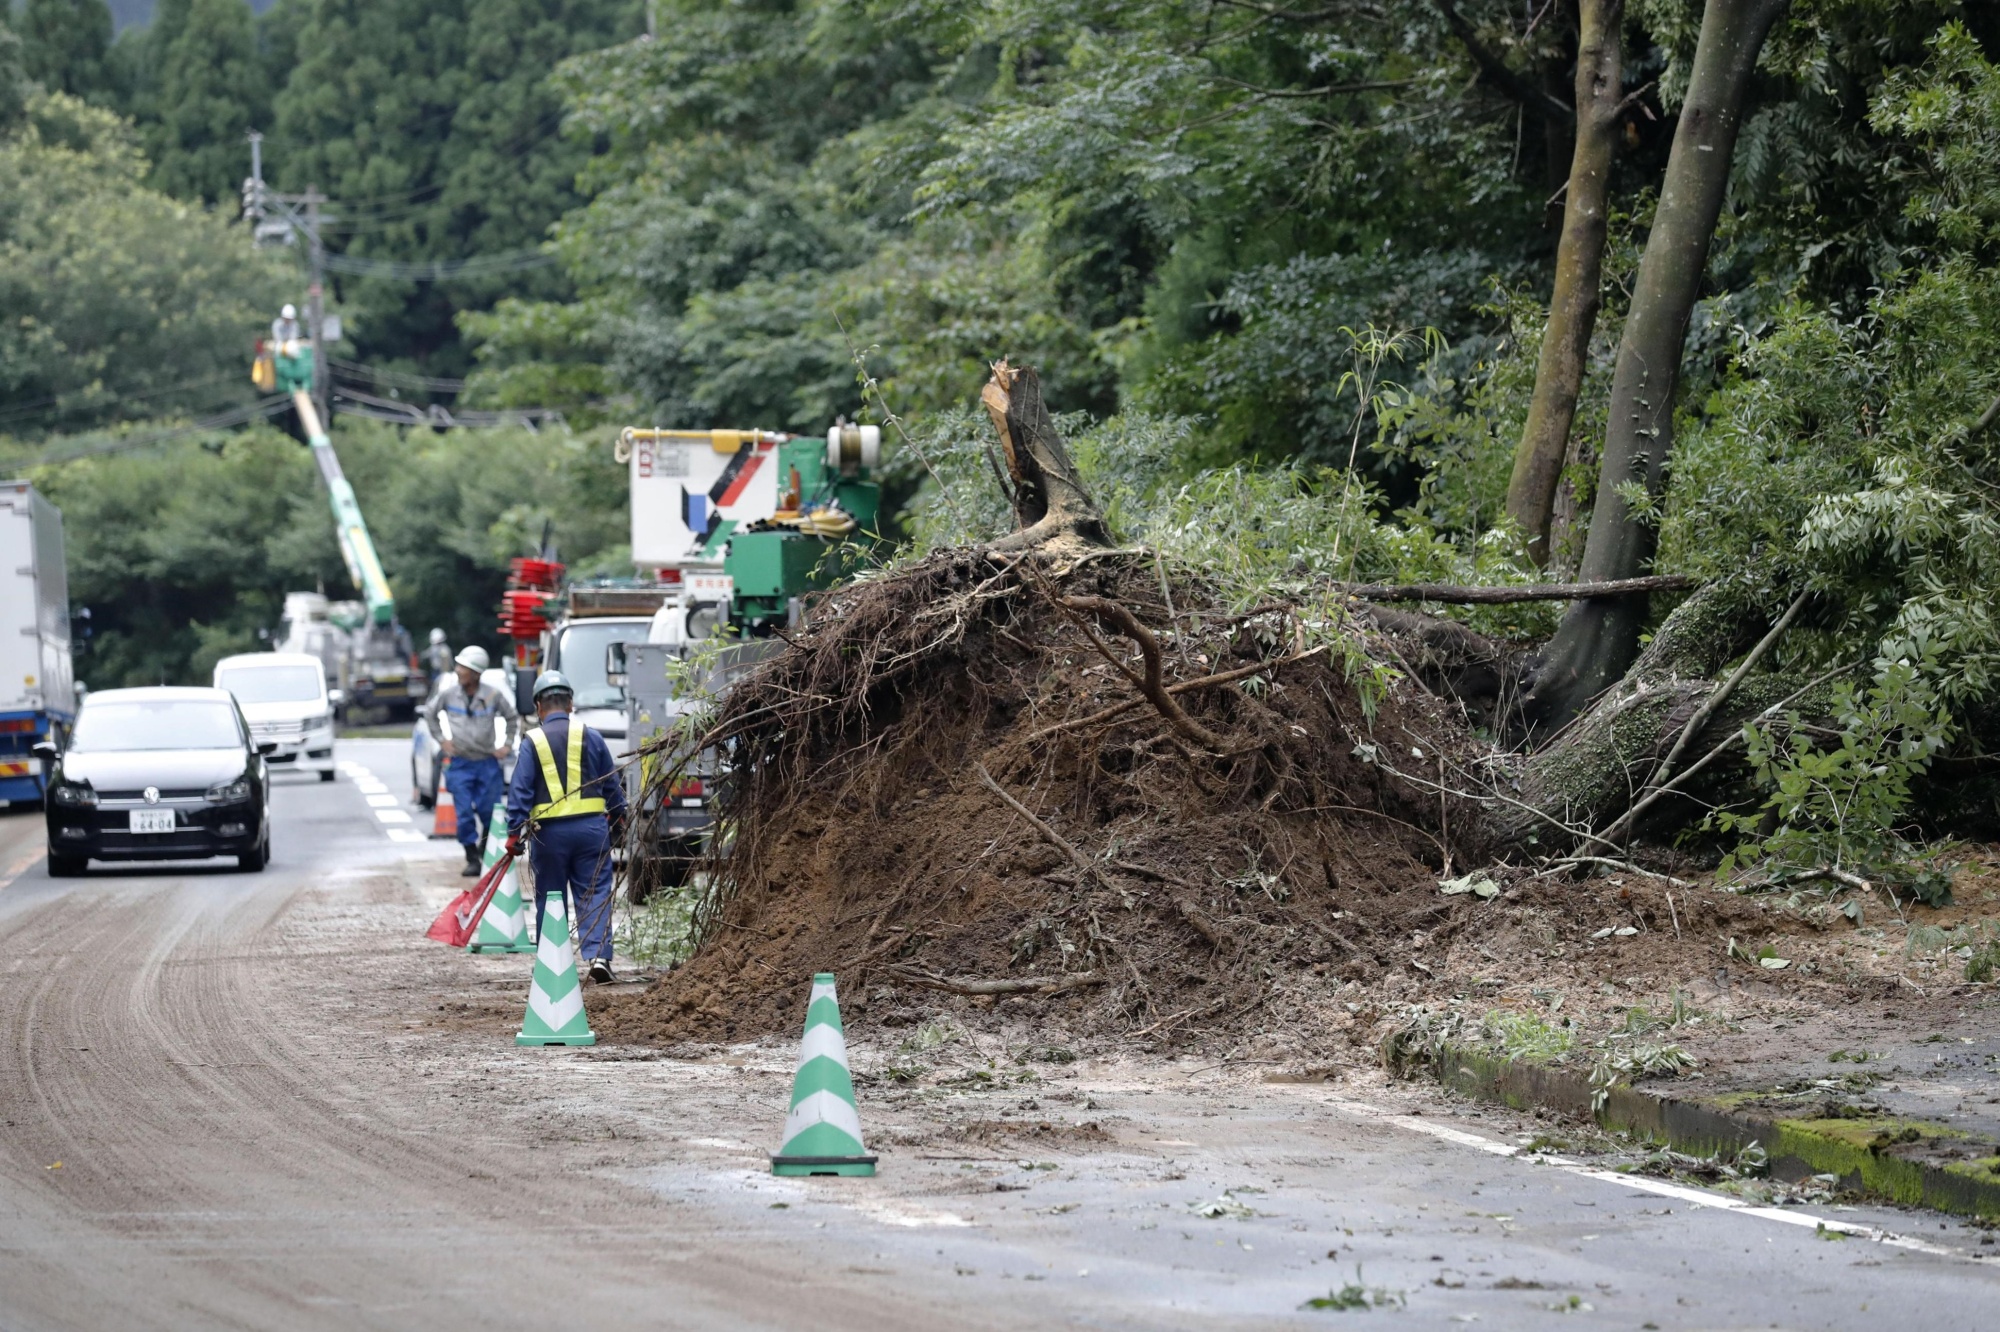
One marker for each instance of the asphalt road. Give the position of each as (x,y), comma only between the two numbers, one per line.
(261,1100)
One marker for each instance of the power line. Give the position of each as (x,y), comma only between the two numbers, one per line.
(353,402)
(442,270)
(51,405)
(235,416)
(396,378)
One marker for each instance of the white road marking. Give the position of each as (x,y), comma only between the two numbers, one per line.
(1644,1184)
(406,835)
(392,816)
(383,802)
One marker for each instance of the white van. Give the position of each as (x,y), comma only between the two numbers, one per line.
(283,696)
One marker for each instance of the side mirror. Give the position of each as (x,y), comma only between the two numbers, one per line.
(336,698)
(46,751)
(614,664)
(266,748)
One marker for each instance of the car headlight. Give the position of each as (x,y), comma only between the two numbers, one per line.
(228,793)
(317,720)
(69,793)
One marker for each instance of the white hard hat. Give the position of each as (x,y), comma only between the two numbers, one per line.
(437,635)
(473,658)
(289,312)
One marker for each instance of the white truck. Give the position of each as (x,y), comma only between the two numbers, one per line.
(37,689)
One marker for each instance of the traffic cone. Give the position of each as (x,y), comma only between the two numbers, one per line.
(504,927)
(555,996)
(444,814)
(823,1130)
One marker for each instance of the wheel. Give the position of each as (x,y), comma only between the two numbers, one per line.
(66,867)
(326,774)
(253,861)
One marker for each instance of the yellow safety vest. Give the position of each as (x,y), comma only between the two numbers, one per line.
(561,803)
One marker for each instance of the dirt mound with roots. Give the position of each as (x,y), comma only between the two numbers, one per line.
(1070,786)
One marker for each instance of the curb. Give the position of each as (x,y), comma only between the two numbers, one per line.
(1864,1153)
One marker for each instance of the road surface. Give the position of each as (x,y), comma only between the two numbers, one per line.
(263,1101)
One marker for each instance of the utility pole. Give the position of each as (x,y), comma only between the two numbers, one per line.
(280,218)
(316,301)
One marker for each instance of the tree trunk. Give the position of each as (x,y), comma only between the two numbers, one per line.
(1598,639)
(1538,462)
(1050,502)
(1590,774)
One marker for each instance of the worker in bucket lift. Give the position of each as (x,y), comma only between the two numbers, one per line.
(285,328)
(567,801)
(472,774)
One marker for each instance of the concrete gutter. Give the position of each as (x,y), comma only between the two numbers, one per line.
(1915,1162)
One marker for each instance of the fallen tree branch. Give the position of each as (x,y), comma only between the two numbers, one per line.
(1117,710)
(1205,927)
(1665,768)
(1049,835)
(1025,985)
(1606,862)
(1122,618)
(1460,595)
(1848,877)
(1625,821)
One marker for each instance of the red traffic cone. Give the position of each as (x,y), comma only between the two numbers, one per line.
(444,820)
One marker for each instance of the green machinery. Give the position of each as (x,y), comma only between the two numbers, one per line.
(806,545)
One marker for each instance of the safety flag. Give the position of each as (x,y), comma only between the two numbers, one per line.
(455,924)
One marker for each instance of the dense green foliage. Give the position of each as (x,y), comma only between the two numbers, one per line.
(119,302)
(431,126)
(1286,266)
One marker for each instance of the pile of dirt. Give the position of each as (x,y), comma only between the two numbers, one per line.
(965,777)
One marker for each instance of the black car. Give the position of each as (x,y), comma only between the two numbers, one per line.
(158,774)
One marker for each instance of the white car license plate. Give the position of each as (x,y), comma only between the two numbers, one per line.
(152,820)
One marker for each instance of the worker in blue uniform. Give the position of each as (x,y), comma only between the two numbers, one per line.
(567,803)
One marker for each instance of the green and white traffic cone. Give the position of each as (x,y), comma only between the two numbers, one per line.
(504,926)
(555,997)
(823,1130)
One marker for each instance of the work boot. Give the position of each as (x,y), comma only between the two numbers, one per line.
(600,971)
(473,869)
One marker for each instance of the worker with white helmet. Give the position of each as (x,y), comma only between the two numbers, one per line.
(285,328)
(472,756)
(566,808)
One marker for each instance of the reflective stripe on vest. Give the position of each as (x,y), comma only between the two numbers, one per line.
(561,804)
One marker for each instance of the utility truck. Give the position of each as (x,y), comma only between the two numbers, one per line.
(736,526)
(730,530)
(37,691)
(369,658)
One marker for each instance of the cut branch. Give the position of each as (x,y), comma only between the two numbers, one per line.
(1050,502)
(1455,594)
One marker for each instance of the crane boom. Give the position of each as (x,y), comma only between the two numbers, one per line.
(348,525)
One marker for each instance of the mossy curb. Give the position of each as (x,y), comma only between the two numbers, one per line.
(1861,1152)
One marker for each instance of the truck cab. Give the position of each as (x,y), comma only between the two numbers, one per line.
(37,695)
(586,642)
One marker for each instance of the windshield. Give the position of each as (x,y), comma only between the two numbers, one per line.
(270,684)
(580,656)
(181,723)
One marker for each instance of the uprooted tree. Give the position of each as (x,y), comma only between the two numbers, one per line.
(1053,764)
